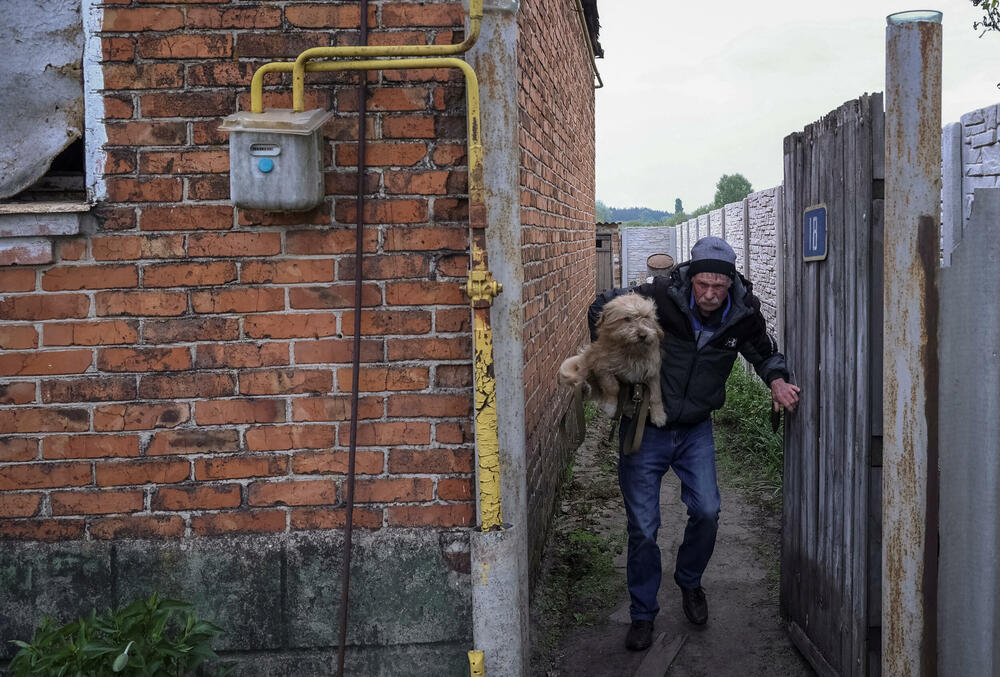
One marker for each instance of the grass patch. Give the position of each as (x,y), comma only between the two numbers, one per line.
(579,580)
(579,589)
(747,451)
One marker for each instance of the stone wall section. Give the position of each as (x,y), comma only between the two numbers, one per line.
(717,223)
(556,102)
(736,233)
(980,153)
(641,242)
(702,228)
(763,250)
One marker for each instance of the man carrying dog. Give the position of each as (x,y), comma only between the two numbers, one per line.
(708,314)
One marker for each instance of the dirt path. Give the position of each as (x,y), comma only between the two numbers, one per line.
(744,636)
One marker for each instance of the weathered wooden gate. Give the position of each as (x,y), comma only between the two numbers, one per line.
(605,263)
(831,543)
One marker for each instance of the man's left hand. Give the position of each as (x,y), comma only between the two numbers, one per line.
(784,395)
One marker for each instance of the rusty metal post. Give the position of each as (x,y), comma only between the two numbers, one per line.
(910,404)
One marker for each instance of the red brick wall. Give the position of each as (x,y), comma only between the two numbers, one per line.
(185,370)
(557,215)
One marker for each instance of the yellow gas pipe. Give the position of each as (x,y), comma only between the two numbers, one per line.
(481,286)
(299,67)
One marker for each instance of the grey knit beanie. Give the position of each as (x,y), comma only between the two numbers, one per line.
(712,255)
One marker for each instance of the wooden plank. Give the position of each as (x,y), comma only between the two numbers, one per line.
(845,382)
(810,414)
(779,273)
(793,427)
(792,517)
(43,207)
(821,632)
(804,376)
(862,431)
(839,448)
(878,136)
(802,641)
(875,316)
(789,484)
(660,655)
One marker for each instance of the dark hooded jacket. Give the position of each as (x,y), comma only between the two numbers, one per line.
(692,376)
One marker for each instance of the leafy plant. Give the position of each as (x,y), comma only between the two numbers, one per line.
(748,450)
(991,15)
(148,638)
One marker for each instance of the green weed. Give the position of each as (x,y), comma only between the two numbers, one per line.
(748,451)
(148,638)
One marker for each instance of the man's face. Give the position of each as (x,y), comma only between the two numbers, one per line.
(710,290)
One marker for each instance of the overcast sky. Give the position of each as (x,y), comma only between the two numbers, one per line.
(694,90)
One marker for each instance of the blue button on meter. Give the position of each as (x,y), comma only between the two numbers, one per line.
(265,164)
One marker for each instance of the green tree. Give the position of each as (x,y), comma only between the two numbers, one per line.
(704,209)
(677,219)
(678,207)
(731,188)
(602,213)
(991,15)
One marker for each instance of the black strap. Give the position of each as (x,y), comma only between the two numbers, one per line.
(633,436)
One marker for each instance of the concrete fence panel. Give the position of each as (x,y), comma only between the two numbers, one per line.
(969,448)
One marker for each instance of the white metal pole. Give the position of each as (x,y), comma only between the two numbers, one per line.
(910,400)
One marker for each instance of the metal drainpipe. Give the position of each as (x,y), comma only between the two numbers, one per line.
(345,576)
(910,400)
(590,45)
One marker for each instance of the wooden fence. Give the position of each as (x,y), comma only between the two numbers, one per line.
(831,543)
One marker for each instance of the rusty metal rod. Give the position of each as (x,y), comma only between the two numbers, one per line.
(910,403)
(345,590)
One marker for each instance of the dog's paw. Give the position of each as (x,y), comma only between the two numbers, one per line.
(657,416)
(609,407)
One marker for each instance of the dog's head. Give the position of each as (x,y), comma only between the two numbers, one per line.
(629,320)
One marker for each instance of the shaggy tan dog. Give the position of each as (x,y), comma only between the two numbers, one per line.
(627,350)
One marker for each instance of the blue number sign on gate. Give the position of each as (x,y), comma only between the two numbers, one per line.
(814,233)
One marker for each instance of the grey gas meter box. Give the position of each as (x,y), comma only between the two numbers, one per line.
(276,158)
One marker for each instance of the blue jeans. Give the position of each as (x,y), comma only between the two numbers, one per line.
(690,451)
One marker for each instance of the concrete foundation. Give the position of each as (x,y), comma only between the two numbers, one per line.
(277,596)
